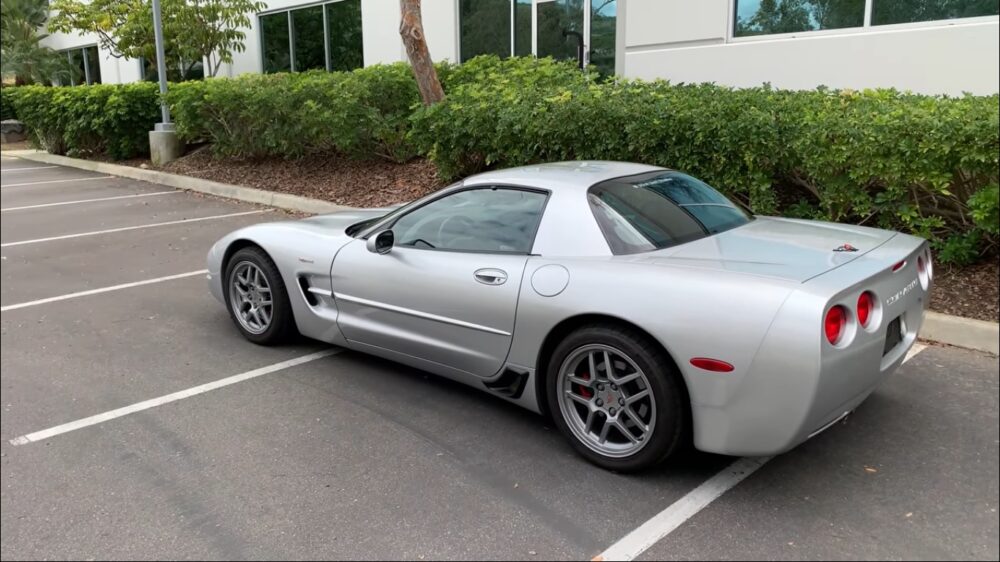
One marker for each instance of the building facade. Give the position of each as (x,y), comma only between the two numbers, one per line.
(927,46)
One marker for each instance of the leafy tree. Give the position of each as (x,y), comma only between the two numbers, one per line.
(193,30)
(22,54)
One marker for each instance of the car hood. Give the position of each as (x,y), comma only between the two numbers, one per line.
(337,222)
(788,249)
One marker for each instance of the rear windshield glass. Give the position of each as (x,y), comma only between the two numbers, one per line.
(660,209)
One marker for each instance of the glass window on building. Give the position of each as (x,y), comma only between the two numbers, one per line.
(326,36)
(909,11)
(308,39)
(768,17)
(93,64)
(275,46)
(344,37)
(484,28)
(522,28)
(560,28)
(603,22)
(177,71)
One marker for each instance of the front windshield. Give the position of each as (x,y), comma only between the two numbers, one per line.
(365,228)
(660,209)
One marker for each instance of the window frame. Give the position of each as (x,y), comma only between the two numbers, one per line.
(389,221)
(866,27)
(587,16)
(88,76)
(287,10)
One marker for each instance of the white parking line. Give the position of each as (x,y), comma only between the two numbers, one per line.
(102,290)
(127,228)
(676,514)
(180,395)
(54,181)
(88,200)
(26,169)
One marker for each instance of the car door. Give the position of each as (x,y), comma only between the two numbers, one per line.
(447,290)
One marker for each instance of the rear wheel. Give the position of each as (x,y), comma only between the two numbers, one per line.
(256,297)
(614,394)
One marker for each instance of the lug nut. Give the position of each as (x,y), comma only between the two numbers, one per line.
(611,411)
(599,402)
(614,387)
(621,401)
(600,386)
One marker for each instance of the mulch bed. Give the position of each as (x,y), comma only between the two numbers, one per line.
(345,181)
(969,291)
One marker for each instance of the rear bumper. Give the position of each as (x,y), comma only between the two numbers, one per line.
(798,384)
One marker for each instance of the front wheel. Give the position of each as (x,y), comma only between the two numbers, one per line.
(615,395)
(256,297)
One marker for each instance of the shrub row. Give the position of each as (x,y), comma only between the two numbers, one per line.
(7,110)
(364,113)
(922,164)
(106,119)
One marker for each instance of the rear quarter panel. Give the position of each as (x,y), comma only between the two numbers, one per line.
(691,312)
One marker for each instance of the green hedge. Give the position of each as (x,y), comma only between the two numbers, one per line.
(104,119)
(923,164)
(363,113)
(7,110)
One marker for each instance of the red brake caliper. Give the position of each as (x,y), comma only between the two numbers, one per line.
(584,391)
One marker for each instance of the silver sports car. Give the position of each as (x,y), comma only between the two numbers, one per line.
(636,305)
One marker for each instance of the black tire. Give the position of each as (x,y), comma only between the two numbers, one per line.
(282,326)
(670,430)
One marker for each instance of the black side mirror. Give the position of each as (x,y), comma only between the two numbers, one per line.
(381,243)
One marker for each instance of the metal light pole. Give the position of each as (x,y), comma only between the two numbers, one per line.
(161,68)
(164,146)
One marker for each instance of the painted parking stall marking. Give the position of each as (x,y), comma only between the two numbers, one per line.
(103,290)
(9,185)
(27,169)
(667,521)
(128,228)
(79,201)
(168,398)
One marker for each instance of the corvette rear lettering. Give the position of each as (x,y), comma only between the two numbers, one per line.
(902,292)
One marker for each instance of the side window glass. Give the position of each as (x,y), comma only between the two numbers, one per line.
(477,220)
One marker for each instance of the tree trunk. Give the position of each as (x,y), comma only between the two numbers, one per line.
(411,29)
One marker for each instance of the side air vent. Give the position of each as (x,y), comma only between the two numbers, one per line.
(510,383)
(310,297)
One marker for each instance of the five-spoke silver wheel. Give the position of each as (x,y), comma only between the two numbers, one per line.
(250,297)
(606,400)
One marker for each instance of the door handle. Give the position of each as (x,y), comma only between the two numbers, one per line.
(490,276)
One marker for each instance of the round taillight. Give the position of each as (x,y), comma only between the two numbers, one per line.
(836,320)
(865,305)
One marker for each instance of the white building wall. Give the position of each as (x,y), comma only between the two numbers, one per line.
(686,41)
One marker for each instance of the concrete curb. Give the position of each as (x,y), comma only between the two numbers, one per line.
(248,194)
(962,332)
(943,328)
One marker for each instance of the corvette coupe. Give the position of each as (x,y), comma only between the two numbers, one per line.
(636,305)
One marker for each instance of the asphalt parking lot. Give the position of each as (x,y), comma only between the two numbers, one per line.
(346,456)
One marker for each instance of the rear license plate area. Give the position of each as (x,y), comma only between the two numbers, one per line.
(893,335)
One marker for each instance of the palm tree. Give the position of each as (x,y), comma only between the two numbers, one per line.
(23,57)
